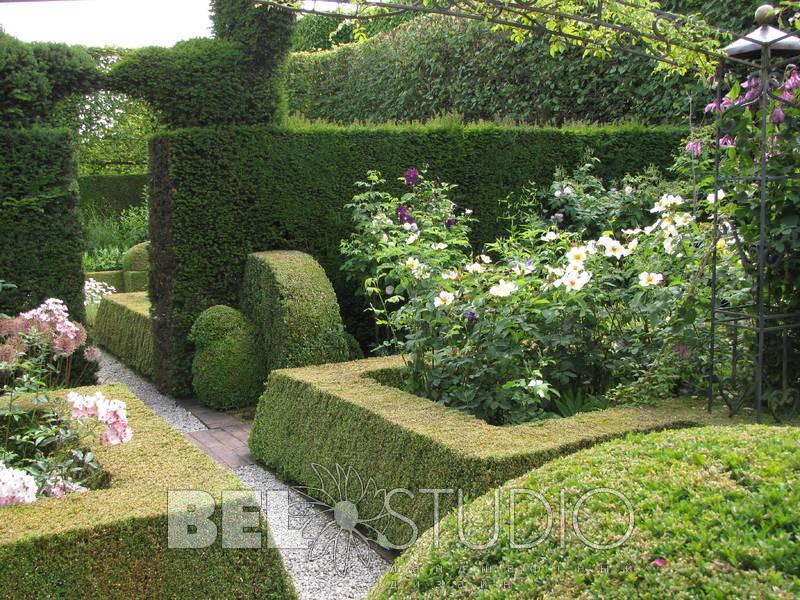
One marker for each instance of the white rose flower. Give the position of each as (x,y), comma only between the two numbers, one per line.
(443,299)
(475,268)
(450,274)
(647,279)
(550,236)
(502,289)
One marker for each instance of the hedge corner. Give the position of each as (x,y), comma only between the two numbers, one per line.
(113,542)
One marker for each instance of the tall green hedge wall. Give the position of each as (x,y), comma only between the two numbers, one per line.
(110,194)
(219,194)
(42,242)
(434,64)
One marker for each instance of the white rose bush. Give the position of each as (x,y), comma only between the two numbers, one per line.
(542,312)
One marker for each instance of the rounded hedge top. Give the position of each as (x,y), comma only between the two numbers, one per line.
(137,258)
(215,323)
(714,513)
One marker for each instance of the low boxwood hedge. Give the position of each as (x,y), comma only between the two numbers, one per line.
(341,416)
(714,513)
(123,326)
(228,369)
(112,543)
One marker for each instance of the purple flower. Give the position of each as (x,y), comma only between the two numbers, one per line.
(793,81)
(778,116)
(727,142)
(659,562)
(403,215)
(695,147)
(449,222)
(470,316)
(713,106)
(412,176)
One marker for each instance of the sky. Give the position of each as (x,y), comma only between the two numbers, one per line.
(125,23)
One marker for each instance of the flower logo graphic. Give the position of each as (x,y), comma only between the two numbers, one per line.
(334,518)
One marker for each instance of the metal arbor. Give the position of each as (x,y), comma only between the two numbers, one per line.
(766,376)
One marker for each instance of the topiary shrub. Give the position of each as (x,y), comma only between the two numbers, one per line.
(228,370)
(714,514)
(225,81)
(123,326)
(288,297)
(34,77)
(137,258)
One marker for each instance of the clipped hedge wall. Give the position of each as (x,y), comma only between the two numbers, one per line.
(123,326)
(436,64)
(341,415)
(113,278)
(257,188)
(112,543)
(228,370)
(110,194)
(716,505)
(288,297)
(41,245)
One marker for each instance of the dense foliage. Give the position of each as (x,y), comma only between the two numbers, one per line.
(541,322)
(322,32)
(34,77)
(239,187)
(228,371)
(435,65)
(229,80)
(712,508)
(42,242)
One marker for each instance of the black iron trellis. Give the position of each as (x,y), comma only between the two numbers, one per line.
(756,51)
(775,51)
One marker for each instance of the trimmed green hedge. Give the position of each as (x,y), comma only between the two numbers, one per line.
(288,297)
(436,65)
(110,194)
(715,514)
(341,416)
(228,370)
(123,326)
(136,281)
(137,258)
(112,543)
(41,246)
(248,189)
(113,278)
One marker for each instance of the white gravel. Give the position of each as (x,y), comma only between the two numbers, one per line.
(113,371)
(324,561)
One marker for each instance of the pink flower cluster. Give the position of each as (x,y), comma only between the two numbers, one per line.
(16,487)
(50,321)
(112,413)
(59,487)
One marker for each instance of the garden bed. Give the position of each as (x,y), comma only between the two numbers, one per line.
(112,543)
(123,326)
(342,415)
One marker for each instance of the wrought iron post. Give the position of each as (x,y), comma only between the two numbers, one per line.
(765,49)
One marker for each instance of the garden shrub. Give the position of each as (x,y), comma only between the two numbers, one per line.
(288,297)
(123,326)
(225,81)
(42,242)
(113,543)
(228,369)
(34,77)
(136,281)
(436,64)
(110,194)
(239,186)
(137,258)
(714,514)
(340,416)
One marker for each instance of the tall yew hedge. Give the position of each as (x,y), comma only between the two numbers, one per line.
(42,242)
(219,194)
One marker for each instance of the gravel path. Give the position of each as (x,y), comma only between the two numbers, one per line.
(324,561)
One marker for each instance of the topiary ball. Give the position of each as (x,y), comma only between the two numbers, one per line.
(227,370)
(137,258)
(696,513)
